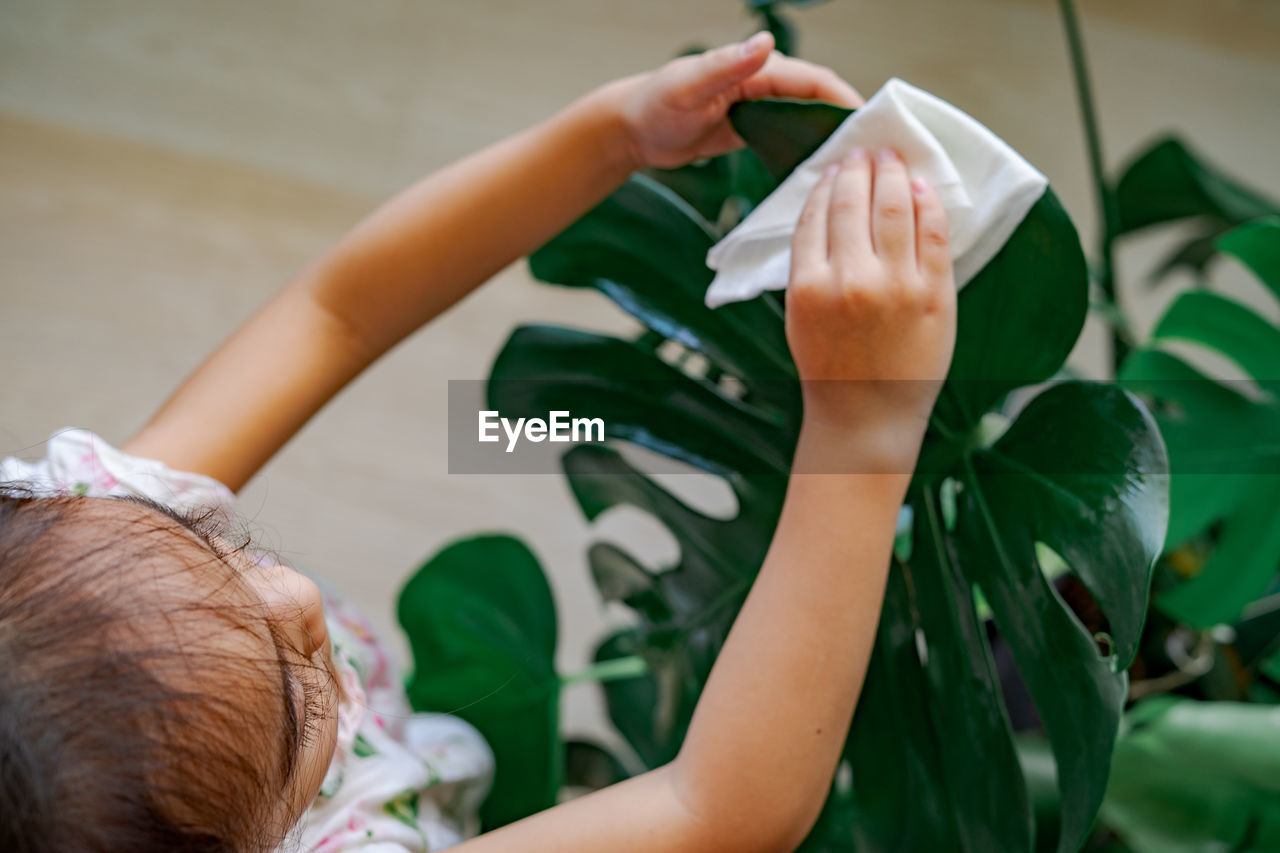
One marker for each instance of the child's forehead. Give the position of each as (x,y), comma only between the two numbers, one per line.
(174,590)
(204,607)
(162,556)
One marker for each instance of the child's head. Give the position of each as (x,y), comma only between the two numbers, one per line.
(159,689)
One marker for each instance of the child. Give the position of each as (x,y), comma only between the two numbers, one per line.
(163,687)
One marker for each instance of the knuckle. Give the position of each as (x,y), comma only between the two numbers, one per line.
(934,237)
(805,293)
(864,298)
(938,302)
(861,285)
(892,210)
(913,293)
(846,204)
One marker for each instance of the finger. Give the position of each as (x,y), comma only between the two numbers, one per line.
(809,243)
(703,77)
(892,218)
(784,77)
(849,229)
(933,249)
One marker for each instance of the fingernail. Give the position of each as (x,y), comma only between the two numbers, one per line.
(919,185)
(856,154)
(751,45)
(888,155)
(830,170)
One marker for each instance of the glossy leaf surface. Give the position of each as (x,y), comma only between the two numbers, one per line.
(1168,182)
(1083,471)
(481,624)
(1221,437)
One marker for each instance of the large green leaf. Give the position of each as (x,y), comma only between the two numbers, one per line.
(685,609)
(807,124)
(650,711)
(481,624)
(899,800)
(1197,777)
(737,179)
(1257,246)
(1243,565)
(1086,467)
(987,800)
(703,185)
(1168,182)
(639,397)
(1019,317)
(930,703)
(1225,326)
(1212,429)
(1083,471)
(1216,437)
(645,249)
(1222,441)
(1186,777)
(727,549)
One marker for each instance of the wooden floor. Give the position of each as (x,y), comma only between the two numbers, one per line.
(164,166)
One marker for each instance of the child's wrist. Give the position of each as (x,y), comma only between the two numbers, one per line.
(607,106)
(866,445)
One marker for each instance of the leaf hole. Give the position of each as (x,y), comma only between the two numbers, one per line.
(639,534)
(922,647)
(732,387)
(844,778)
(669,351)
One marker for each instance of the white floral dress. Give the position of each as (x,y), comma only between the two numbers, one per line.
(399,781)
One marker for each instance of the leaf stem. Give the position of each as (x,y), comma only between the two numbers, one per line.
(608,670)
(1108,209)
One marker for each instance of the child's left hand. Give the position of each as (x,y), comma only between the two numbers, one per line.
(679,113)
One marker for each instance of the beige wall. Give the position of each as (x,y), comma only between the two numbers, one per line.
(165,165)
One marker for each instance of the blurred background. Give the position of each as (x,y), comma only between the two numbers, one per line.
(165,166)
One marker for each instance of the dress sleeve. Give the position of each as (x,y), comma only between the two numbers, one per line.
(78,462)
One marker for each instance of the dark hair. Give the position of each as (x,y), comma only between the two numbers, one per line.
(113,737)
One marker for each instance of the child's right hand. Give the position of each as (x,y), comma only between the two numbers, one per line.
(870,313)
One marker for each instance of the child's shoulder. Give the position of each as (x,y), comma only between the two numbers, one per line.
(79,462)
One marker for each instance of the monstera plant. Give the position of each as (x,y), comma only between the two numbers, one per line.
(1019,481)
(1196,764)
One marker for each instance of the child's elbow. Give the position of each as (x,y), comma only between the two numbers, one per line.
(743,818)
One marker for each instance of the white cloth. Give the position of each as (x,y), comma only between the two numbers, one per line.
(985,186)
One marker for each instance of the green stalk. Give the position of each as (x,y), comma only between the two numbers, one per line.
(1108,211)
(608,670)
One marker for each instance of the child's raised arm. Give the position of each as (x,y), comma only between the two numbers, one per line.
(435,242)
(871,323)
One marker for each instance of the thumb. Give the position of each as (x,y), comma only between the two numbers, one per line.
(717,70)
